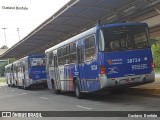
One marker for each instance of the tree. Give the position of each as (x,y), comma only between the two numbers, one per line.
(3,64)
(2,68)
(156,52)
(4,47)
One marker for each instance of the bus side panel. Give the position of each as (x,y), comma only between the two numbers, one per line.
(61,77)
(71,75)
(91,76)
(68,77)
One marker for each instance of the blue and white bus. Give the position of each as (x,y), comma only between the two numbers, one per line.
(106,56)
(29,71)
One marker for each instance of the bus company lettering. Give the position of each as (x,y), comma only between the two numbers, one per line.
(113,70)
(139,67)
(114,61)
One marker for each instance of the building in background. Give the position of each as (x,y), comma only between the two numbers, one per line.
(3,49)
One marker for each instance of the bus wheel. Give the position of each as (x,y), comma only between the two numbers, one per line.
(57,91)
(77,91)
(16,84)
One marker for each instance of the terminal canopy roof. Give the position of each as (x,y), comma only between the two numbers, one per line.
(77,16)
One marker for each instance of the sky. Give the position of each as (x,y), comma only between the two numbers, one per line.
(26,19)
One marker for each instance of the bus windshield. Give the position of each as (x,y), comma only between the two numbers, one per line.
(123,38)
(35,62)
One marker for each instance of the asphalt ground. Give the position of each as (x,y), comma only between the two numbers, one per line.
(40,99)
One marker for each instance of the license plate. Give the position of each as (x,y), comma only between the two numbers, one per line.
(130,81)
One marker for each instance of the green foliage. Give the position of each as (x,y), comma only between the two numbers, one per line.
(3,64)
(157,70)
(156,52)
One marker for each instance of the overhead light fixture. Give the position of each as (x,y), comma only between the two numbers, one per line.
(113,16)
(129,9)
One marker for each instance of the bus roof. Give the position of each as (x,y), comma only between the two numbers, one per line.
(89,32)
(9,65)
(122,24)
(30,56)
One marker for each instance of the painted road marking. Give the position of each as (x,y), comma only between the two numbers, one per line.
(12,90)
(24,93)
(83,107)
(44,98)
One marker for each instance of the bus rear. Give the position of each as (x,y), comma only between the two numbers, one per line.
(36,70)
(125,56)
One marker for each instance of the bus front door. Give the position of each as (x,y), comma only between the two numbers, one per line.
(56,73)
(81,65)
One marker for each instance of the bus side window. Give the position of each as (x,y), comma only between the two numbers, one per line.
(51,58)
(73,53)
(66,52)
(60,57)
(89,48)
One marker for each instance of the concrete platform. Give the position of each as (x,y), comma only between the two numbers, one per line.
(147,89)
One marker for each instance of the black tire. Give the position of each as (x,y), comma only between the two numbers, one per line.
(77,91)
(16,84)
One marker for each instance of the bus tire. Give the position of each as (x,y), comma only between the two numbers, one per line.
(19,87)
(77,91)
(57,91)
(16,84)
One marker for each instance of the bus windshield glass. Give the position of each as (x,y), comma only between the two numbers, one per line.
(35,62)
(123,38)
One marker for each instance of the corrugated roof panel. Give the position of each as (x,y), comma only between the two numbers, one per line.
(76,22)
(74,11)
(113,4)
(94,13)
(75,17)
